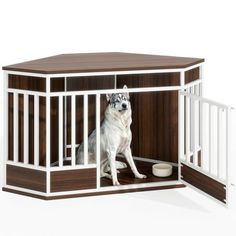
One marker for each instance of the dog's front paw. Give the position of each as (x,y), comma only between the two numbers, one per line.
(116,183)
(141,176)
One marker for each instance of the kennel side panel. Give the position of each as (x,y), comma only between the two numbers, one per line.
(155,116)
(70,180)
(26,178)
(192,75)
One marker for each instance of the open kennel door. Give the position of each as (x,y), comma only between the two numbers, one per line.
(204,145)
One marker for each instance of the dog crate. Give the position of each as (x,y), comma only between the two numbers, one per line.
(53,104)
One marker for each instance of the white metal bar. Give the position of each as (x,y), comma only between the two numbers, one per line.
(26,129)
(219,121)
(76,167)
(85,129)
(27,92)
(125,72)
(11,72)
(36,130)
(98,138)
(102,189)
(28,166)
(194,134)
(201,143)
(120,187)
(205,100)
(210,140)
(15,126)
(187,130)
(73,128)
(105,91)
(60,128)
(228,132)
(65,117)
(181,131)
(181,118)
(48,134)
(6,131)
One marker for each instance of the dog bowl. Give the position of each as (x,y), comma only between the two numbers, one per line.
(162,170)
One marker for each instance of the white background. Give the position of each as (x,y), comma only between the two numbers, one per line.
(34,29)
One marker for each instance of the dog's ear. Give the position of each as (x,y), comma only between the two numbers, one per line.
(108,96)
(126,93)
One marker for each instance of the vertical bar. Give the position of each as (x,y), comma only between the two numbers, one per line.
(218,140)
(60,128)
(98,138)
(181,124)
(6,131)
(201,143)
(26,129)
(16,128)
(228,135)
(65,118)
(187,131)
(36,130)
(210,147)
(48,133)
(194,133)
(85,129)
(73,130)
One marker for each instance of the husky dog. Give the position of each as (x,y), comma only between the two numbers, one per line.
(115,136)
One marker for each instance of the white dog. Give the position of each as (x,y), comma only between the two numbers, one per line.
(115,138)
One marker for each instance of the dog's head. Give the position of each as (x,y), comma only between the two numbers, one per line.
(119,101)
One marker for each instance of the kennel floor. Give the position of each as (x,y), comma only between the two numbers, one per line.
(126,176)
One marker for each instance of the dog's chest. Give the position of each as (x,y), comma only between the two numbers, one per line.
(125,138)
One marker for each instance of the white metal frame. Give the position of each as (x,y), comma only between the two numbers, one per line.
(48,94)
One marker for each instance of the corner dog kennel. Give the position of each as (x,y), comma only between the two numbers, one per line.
(53,104)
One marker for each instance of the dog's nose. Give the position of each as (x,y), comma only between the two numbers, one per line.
(124,105)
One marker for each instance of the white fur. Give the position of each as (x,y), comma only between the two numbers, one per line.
(115,135)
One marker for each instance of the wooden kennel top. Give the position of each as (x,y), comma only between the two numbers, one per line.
(100,62)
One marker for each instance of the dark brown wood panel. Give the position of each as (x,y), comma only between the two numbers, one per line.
(192,75)
(93,193)
(42,131)
(73,180)
(204,183)
(149,80)
(57,84)
(10,127)
(26,178)
(31,129)
(90,83)
(21,128)
(27,83)
(54,132)
(155,118)
(90,62)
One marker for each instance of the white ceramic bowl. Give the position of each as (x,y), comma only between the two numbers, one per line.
(162,170)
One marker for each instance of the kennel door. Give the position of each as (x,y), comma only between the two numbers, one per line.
(204,145)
